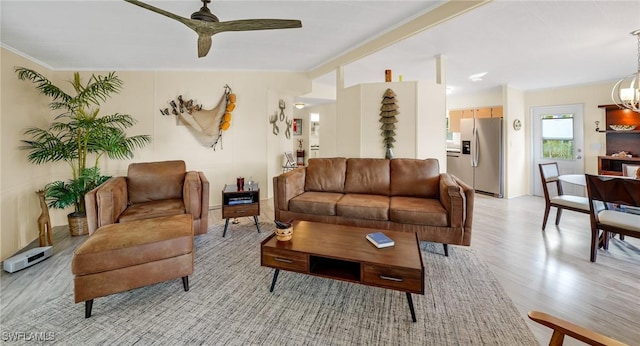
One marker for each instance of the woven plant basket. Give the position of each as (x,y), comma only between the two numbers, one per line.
(78,224)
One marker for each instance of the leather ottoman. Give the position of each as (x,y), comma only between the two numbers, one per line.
(123,256)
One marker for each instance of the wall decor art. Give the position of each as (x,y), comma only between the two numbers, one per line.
(297,127)
(388,112)
(273,120)
(287,132)
(206,125)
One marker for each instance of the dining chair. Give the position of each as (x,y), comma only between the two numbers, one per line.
(549,174)
(562,328)
(617,194)
(632,171)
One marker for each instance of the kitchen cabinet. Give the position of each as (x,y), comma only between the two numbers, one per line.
(454,120)
(484,112)
(455,115)
(467,113)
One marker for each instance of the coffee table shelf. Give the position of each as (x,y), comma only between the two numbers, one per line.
(333,268)
(343,253)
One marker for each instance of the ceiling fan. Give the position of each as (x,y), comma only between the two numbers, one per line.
(206,24)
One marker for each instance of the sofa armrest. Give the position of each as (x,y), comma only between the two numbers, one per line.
(195,195)
(453,199)
(105,203)
(192,192)
(204,213)
(287,186)
(469,194)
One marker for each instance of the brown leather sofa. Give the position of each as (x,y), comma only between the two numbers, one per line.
(150,190)
(407,195)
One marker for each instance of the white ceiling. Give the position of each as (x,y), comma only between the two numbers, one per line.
(525,44)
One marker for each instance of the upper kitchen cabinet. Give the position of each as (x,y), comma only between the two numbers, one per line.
(468,113)
(454,120)
(481,112)
(484,112)
(496,112)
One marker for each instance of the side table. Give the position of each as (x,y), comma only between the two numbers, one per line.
(240,203)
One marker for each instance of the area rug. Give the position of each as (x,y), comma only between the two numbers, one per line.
(229,303)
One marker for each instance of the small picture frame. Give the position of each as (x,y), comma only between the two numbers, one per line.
(297,127)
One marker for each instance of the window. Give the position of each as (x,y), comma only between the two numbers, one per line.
(449,134)
(557,137)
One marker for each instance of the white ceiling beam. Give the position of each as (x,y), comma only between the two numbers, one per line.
(440,14)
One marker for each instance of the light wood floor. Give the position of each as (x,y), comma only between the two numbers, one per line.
(548,271)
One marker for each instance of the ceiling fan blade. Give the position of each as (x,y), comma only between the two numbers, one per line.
(183,20)
(204,44)
(257,24)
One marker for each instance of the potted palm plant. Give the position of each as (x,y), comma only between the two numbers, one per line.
(76,136)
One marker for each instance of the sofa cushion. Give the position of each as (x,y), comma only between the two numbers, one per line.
(318,203)
(415,178)
(150,181)
(367,176)
(153,209)
(326,175)
(368,207)
(124,245)
(417,211)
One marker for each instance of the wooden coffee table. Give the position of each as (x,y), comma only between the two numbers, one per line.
(343,253)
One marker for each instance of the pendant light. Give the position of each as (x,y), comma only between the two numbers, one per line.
(626,93)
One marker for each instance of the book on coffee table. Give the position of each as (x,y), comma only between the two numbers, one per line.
(380,240)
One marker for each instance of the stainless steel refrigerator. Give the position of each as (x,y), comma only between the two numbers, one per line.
(481,155)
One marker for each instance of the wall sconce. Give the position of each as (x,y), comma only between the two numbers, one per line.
(299,105)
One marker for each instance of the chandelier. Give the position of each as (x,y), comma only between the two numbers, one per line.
(626,93)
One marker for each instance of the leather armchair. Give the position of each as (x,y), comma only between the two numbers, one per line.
(150,190)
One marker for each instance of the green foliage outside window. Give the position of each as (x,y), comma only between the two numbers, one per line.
(557,149)
(557,136)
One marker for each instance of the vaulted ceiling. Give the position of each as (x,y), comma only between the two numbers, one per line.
(525,44)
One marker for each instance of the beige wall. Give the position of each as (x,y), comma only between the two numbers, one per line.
(245,152)
(515,170)
(22,106)
(421,108)
(591,96)
(328,127)
(518,104)
(144,93)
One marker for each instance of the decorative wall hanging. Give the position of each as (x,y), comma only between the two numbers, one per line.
(517,124)
(273,120)
(282,106)
(287,132)
(388,112)
(206,125)
(297,127)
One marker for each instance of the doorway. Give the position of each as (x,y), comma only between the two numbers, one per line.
(557,136)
